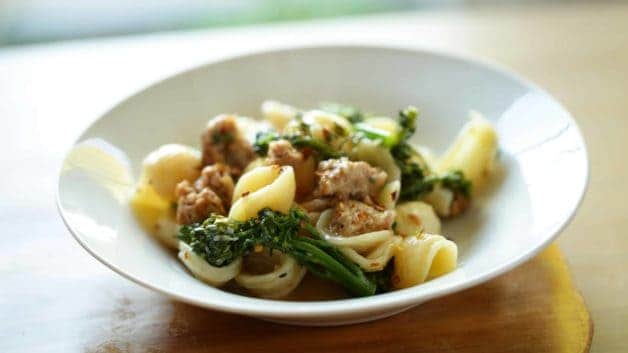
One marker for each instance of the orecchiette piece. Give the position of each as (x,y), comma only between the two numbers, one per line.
(376,259)
(168,165)
(377,156)
(428,157)
(473,151)
(155,214)
(278,114)
(423,257)
(215,276)
(383,123)
(441,199)
(319,121)
(415,217)
(389,194)
(167,230)
(257,162)
(283,279)
(371,251)
(361,242)
(249,127)
(267,186)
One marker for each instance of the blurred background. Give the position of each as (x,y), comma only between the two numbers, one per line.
(36,21)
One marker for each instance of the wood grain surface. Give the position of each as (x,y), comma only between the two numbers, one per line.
(534,308)
(55,298)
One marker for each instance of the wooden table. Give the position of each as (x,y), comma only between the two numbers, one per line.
(55,298)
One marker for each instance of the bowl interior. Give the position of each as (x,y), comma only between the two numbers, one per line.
(541,176)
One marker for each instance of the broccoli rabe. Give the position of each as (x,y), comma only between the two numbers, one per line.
(415,181)
(456,182)
(407,121)
(220,241)
(324,150)
(416,177)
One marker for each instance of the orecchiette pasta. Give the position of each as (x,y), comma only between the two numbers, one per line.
(319,121)
(334,191)
(423,257)
(377,156)
(249,127)
(155,214)
(257,162)
(361,242)
(440,198)
(428,157)
(383,123)
(389,194)
(473,151)
(167,230)
(371,251)
(415,217)
(278,114)
(216,276)
(168,165)
(267,186)
(283,279)
(376,259)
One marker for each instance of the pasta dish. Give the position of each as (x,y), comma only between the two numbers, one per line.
(334,192)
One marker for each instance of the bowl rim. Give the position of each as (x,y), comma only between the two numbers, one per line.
(387,301)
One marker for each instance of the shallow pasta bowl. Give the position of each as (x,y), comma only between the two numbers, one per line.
(540,181)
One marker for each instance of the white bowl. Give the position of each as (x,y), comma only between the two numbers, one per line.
(542,178)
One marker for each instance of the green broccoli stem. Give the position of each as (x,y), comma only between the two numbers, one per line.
(350,275)
(320,263)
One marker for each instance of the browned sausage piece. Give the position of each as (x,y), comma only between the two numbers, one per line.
(355,217)
(224,143)
(196,205)
(218,178)
(343,179)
